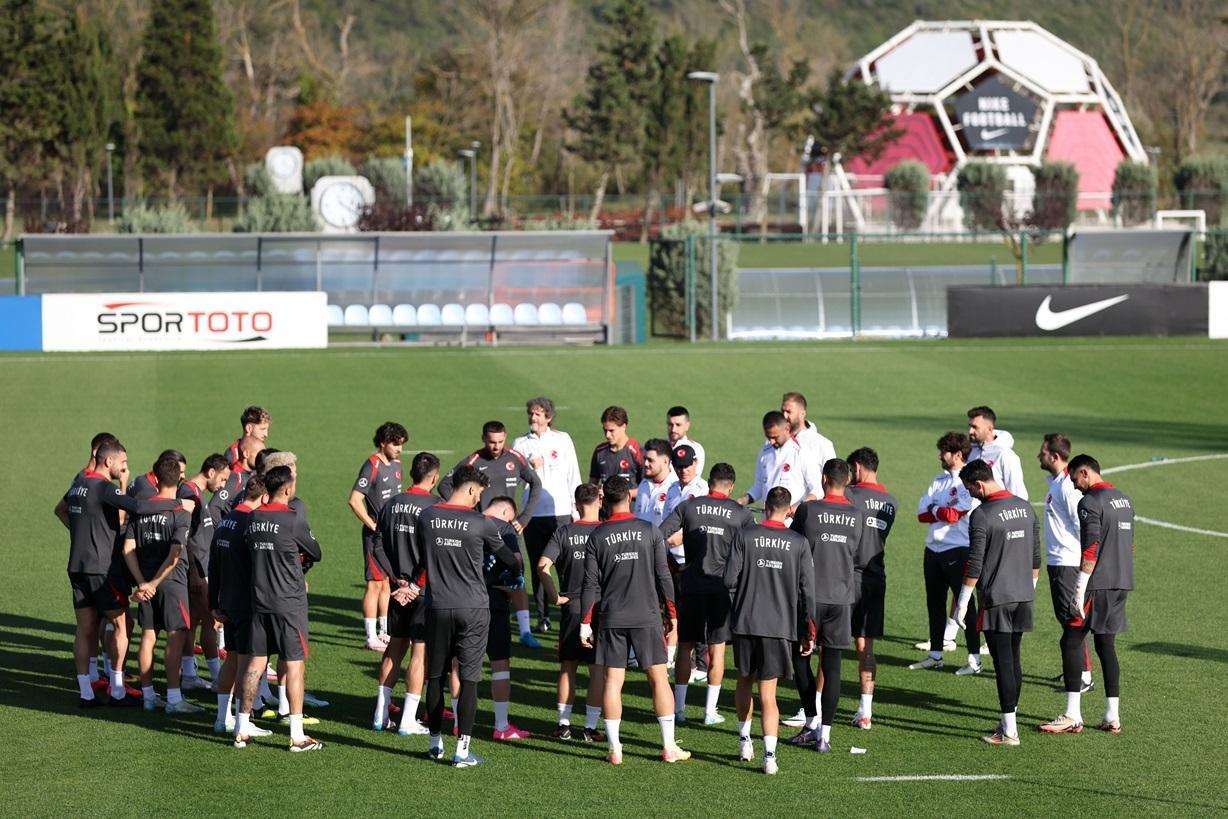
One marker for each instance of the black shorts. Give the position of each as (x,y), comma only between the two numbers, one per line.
(168,611)
(762,658)
(199,560)
(1062,583)
(283,634)
(459,634)
(1014,618)
(869,609)
(704,618)
(615,644)
(570,647)
(1105,611)
(371,569)
(499,639)
(833,625)
(97,591)
(238,633)
(407,622)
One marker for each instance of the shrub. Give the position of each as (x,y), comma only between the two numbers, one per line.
(142,218)
(1134,192)
(1215,257)
(667,260)
(982,193)
(1202,184)
(1056,201)
(325,166)
(387,176)
(277,213)
(908,186)
(256,180)
(442,187)
(394,216)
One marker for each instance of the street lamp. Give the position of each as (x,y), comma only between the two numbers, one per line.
(471,153)
(711,77)
(110,185)
(409,162)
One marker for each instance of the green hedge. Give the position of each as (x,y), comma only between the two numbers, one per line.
(1134,192)
(1202,184)
(982,194)
(1056,201)
(277,213)
(908,186)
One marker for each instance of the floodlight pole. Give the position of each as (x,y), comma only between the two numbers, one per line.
(409,162)
(471,155)
(110,185)
(710,77)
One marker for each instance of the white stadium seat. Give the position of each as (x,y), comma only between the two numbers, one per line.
(404,315)
(477,315)
(380,315)
(336,316)
(453,315)
(356,316)
(574,313)
(501,314)
(429,314)
(550,313)
(526,314)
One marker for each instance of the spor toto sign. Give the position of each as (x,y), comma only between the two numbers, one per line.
(184,321)
(994,115)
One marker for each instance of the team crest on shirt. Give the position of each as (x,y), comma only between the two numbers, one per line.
(511,467)
(624,464)
(554,454)
(785,468)
(661,497)
(398,474)
(954,491)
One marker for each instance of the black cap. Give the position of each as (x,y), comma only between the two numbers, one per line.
(682,456)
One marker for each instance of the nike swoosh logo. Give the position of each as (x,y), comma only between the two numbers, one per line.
(1049,320)
(987,134)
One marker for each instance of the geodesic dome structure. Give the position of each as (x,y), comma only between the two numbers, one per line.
(1002,91)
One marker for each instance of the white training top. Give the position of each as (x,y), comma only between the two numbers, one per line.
(947,491)
(678,492)
(789,466)
(559,472)
(1001,457)
(1062,542)
(817,447)
(699,453)
(651,497)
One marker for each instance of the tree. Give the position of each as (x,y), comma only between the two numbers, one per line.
(908,191)
(608,117)
(185,112)
(851,119)
(28,41)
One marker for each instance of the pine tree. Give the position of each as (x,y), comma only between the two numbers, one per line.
(185,112)
(609,116)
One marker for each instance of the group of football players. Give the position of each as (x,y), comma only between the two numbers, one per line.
(648,564)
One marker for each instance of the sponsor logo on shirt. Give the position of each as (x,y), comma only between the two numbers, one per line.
(875,523)
(621,556)
(1124,526)
(1016,534)
(769,564)
(362,481)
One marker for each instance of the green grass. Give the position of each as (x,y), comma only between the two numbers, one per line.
(1125,401)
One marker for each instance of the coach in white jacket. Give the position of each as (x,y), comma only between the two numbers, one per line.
(996,447)
(551,453)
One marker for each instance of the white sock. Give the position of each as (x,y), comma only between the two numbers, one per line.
(935,655)
(409,715)
(187,666)
(93,669)
(147,693)
(1008,725)
(283,700)
(867,705)
(296,728)
(974,660)
(243,723)
(382,698)
(462,746)
(744,730)
(680,698)
(667,730)
(382,623)
(611,732)
(1087,677)
(173,696)
(714,692)
(1110,709)
(215,667)
(117,684)
(368,623)
(83,685)
(501,716)
(522,620)
(825,734)
(564,714)
(673,653)
(769,746)
(592,713)
(1073,706)
(436,742)
(223,707)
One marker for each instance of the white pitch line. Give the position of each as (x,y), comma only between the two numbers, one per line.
(1163,462)
(1179,527)
(935,778)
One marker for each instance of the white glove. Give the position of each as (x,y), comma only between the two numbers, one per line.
(953,627)
(961,605)
(1081,592)
(586,634)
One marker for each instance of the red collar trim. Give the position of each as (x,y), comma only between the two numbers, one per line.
(999,495)
(277,507)
(720,495)
(620,516)
(417,490)
(660,483)
(455,506)
(597,522)
(152,478)
(1101,485)
(244,507)
(837,499)
(89,473)
(774,524)
(866,485)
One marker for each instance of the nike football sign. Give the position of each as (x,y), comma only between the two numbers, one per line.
(1049,319)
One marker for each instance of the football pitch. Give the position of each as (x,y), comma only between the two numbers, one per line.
(1148,409)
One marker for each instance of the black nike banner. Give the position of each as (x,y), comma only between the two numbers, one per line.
(1078,310)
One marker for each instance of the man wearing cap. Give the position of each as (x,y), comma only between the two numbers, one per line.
(690,484)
